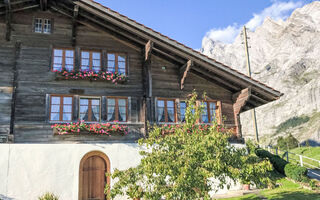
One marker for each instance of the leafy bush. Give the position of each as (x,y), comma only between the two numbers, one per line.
(292,171)
(277,162)
(295,172)
(289,142)
(291,123)
(48,196)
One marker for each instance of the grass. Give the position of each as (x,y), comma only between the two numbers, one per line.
(311,152)
(291,123)
(287,190)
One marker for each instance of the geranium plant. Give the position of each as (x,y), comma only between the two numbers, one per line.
(113,77)
(96,128)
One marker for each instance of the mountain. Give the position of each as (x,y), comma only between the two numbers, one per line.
(286,56)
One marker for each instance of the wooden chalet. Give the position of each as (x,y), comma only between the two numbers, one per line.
(152,75)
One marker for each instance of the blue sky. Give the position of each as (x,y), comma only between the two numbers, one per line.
(189,21)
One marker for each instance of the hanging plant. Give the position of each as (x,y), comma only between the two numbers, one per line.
(96,129)
(113,77)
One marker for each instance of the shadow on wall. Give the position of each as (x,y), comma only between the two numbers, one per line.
(312,143)
(2,197)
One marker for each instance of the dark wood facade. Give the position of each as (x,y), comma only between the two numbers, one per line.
(155,69)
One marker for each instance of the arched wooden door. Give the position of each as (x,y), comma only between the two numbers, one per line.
(92,180)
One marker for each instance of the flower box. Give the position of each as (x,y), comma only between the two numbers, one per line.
(89,129)
(91,76)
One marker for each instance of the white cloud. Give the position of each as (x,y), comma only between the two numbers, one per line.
(278,10)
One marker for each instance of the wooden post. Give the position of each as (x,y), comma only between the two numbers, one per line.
(301,161)
(14,92)
(253,111)
(147,85)
(287,154)
(74,24)
(8,19)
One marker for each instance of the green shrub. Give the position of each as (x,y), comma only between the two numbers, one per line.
(289,142)
(296,172)
(48,196)
(277,162)
(292,171)
(291,123)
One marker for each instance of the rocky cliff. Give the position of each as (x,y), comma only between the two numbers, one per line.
(286,56)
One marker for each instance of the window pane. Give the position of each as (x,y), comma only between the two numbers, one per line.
(55,100)
(96,56)
(57,52)
(95,102)
(183,106)
(84,63)
(111,114)
(160,111)
(121,58)
(111,56)
(67,100)
(122,114)
(55,108)
(122,102)
(84,102)
(83,109)
(47,26)
(85,54)
(96,63)
(204,114)
(122,71)
(95,113)
(67,109)
(38,25)
(170,104)
(111,102)
(121,64)
(160,103)
(66,117)
(69,53)
(57,60)
(54,117)
(111,66)
(170,114)
(69,61)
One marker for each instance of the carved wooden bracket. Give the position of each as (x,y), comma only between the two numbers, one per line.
(184,72)
(148,51)
(240,99)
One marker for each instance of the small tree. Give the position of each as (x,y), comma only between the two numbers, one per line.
(186,162)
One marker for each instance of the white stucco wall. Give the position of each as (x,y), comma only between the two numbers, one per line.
(29,170)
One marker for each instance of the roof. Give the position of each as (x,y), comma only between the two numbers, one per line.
(181,46)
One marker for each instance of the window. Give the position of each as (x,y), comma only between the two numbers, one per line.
(90,109)
(63,59)
(42,26)
(183,106)
(61,108)
(117,109)
(166,110)
(209,112)
(117,63)
(91,60)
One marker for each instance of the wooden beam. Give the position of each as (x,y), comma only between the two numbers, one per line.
(43,5)
(240,100)
(8,19)
(74,24)
(184,72)
(21,9)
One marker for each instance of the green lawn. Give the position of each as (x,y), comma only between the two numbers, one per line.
(286,191)
(311,152)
